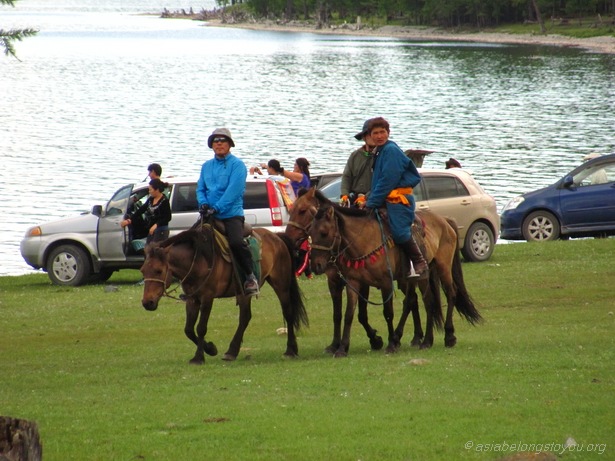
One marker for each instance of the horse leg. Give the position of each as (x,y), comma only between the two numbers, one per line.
(387,312)
(292,348)
(192,314)
(449,329)
(411,304)
(245,315)
(336,287)
(351,302)
(201,329)
(375,341)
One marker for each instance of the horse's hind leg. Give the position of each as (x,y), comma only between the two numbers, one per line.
(375,341)
(245,315)
(449,328)
(351,302)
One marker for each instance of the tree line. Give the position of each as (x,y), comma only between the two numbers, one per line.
(443,13)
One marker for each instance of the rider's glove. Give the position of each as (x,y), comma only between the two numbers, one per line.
(344,201)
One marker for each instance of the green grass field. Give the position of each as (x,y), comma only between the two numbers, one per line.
(106,380)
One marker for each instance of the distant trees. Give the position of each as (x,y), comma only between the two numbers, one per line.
(7,37)
(447,13)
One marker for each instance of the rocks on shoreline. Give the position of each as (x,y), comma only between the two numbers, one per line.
(239,19)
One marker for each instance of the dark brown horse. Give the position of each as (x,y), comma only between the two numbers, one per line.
(361,249)
(198,260)
(301,216)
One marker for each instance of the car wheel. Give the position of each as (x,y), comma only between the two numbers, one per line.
(479,243)
(68,265)
(540,226)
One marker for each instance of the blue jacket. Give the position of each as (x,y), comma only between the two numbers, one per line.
(392,169)
(222,184)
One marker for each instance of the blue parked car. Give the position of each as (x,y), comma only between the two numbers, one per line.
(581,204)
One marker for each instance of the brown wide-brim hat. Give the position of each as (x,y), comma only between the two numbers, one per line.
(220,132)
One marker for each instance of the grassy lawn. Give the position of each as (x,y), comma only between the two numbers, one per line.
(106,380)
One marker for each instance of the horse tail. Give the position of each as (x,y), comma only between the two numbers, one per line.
(435,305)
(297,315)
(463,301)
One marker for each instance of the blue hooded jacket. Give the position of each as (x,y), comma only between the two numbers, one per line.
(222,184)
(392,169)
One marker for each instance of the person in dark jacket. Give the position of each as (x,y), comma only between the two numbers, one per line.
(392,182)
(155,213)
(357,175)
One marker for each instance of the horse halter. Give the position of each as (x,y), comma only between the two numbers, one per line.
(306,229)
(335,244)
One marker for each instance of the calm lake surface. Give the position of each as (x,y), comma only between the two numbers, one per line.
(103,91)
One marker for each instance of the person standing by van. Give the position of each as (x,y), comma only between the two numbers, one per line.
(219,192)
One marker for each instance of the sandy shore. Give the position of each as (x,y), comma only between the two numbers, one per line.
(604,44)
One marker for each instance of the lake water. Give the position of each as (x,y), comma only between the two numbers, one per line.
(102,92)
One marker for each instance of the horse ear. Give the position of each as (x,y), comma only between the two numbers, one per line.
(330,212)
(310,193)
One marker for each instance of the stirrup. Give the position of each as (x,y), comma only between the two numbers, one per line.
(412,274)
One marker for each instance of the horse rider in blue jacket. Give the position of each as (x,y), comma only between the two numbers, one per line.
(393,179)
(219,191)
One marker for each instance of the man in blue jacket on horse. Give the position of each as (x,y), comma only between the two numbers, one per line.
(219,191)
(393,179)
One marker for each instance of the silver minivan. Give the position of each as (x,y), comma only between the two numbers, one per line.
(91,246)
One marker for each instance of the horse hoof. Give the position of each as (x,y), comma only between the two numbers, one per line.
(211,349)
(426,346)
(416,342)
(340,354)
(291,355)
(450,342)
(196,361)
(229,358)
(376,343)
(392,350)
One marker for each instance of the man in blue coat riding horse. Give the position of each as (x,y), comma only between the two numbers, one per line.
(393,179)
(219,191)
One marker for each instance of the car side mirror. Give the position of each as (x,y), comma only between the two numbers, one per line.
(97,210)
(568,181)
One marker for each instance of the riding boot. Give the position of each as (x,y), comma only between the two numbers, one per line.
(415,257)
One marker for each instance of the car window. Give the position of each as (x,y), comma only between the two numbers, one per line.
(439,187)
(184,198)
(595,174)
(255,196)
(119,202)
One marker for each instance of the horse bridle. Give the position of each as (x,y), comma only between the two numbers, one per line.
(306,229)
(167,293)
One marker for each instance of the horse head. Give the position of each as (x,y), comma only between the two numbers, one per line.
(325,237)
(157,276)
(301,215)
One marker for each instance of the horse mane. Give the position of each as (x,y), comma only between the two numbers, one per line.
(200,239)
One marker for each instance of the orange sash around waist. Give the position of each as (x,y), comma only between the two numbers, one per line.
(399,195)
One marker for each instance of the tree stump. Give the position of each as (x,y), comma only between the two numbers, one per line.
(19,440)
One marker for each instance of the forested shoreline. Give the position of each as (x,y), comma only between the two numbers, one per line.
(440,13)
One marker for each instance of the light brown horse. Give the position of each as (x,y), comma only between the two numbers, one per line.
(361,249)
(197,259)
